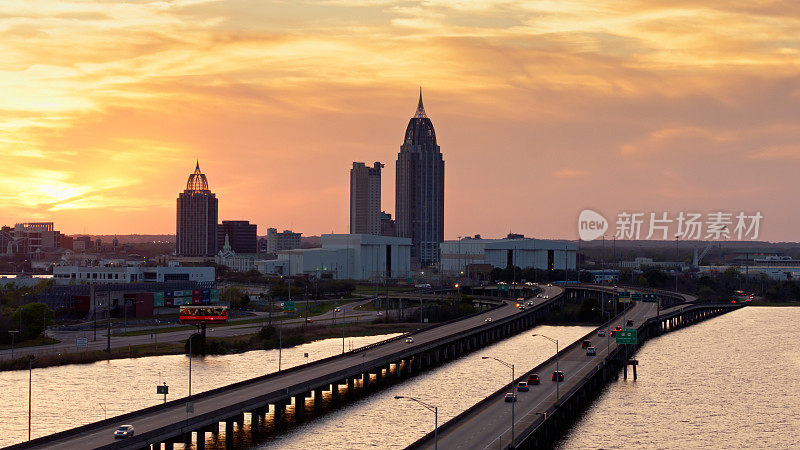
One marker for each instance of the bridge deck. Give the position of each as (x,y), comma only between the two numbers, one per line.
(172,420)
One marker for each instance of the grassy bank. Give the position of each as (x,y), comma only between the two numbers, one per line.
(31,343)
(215,346)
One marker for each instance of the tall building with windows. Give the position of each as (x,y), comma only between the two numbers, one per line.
(365,199)
(241,235)
(197,218)
(287,240)
(419,197)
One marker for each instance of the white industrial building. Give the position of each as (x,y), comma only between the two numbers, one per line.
(117,274)
(457,256)
(351,256)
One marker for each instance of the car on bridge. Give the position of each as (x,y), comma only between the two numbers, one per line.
(591,351)
(614,331)
(601,332)
(522,386)
(586,344)
(409,340)
(124,431)
(488,319)
(510,397)
(558,375)
(533,379)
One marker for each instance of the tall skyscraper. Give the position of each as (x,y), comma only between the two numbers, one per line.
(419,200)
(241,235)
(365,199)
(197,217)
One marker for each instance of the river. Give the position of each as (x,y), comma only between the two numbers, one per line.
(729,382)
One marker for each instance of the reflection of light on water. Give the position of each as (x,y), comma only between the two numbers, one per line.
(381,421)
(706,385)
(68,396)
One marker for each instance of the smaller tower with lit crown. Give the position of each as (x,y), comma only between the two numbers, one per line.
(197,217)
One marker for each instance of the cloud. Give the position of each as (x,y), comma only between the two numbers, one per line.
(107,104)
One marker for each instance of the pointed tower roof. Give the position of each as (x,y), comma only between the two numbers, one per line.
(420,114)
(197,181)
(420,128)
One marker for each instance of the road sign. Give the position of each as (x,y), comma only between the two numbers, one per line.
(627,336)
(163,390)
(288,306)
(624,296)
(82,342)
(649,298)
(636,296)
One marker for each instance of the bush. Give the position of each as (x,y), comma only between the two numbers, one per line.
(34,318)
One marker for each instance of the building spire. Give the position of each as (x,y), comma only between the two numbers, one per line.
(420,114)
(197,167)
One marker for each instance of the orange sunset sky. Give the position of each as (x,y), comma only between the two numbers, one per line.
(541,108)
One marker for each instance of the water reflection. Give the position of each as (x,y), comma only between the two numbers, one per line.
(68,396)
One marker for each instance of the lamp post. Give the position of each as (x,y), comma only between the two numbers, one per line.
(435,410)
(13,333)
(30,392)
(513,391)
(558,381)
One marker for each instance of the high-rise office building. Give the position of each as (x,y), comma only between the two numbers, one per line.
(419,198)
(241,235)
(365,199)
(287,240)
(197,218)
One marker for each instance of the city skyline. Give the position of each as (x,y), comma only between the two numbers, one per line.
(659,106)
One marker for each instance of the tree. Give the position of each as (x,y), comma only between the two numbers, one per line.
(34,318)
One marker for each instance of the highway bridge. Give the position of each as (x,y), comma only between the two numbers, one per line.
(301,387)
(541,414)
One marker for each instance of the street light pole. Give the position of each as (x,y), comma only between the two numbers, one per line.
(558,380)
(30,392)
(435,410)
(513,391)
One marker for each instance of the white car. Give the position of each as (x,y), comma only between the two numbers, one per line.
(488,319)
(591,351)
(124,431)
(409,340)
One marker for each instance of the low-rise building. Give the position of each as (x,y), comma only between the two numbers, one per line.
(525,253)
(113,274)
(352,256)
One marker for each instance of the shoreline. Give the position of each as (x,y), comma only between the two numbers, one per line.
(220,346)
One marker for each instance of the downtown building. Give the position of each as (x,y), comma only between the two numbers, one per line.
(365,199)
(419,197)
(197,218)
(286,240)
(241,236)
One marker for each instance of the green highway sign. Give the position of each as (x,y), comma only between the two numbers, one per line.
(288,306)
(624,296)
(649,298)
(636,296)
(628,336)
